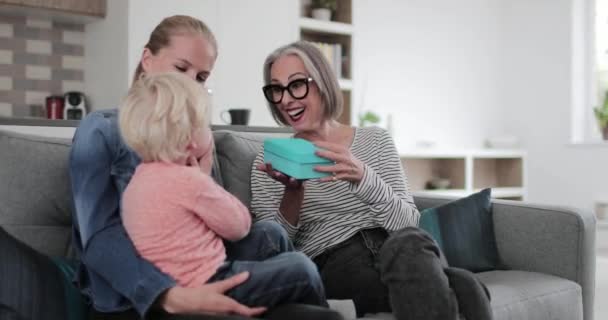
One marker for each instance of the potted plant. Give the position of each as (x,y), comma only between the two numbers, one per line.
(601,115)
(322,9)
(368,118)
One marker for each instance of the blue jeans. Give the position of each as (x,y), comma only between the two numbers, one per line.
(278,274)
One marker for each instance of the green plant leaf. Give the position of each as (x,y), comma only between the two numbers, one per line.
(327,4)
(368,117)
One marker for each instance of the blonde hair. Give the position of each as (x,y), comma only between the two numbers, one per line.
(175,25)
(160,114)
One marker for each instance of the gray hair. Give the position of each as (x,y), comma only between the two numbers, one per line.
(319,70)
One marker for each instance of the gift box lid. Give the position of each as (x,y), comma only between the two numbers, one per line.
(294,149)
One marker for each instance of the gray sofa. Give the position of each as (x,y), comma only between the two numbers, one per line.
(548,250)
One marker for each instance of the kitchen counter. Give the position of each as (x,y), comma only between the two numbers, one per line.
(40,122)
(37,122)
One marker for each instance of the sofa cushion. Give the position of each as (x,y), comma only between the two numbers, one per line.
(526,295)
(531,295)
(235,154)
(464,231)
(35,193)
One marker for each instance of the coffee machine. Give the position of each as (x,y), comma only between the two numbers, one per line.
(74,106)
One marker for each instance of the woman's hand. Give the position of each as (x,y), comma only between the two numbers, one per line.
(208,299)
(346,166)
(292,197)
(289,182)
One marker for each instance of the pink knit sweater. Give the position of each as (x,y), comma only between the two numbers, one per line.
(177,216)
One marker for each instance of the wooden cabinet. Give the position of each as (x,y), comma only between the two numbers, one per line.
(92,8)
(335,39)
(467,171)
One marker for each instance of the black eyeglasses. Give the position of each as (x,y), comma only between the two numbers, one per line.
(298,89)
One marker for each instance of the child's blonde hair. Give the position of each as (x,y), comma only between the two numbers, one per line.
(160,114)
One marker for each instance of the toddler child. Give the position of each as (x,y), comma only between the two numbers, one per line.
(182,221)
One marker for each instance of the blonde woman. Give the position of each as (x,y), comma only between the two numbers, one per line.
(120,283)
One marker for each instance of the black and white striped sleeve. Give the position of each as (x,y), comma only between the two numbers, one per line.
(384,187)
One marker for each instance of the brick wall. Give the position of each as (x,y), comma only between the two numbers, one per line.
(38,58)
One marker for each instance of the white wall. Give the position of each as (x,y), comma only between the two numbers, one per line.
(434,65)
(248,32)
(456,73)
(450,72)
(536,103)
(144,15)
(106,43)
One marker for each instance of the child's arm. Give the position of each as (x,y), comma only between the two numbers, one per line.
(221,211)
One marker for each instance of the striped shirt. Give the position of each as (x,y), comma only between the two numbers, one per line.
(332,212)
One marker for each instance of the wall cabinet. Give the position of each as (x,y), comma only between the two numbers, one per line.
(335,39)
(466,172)
(93,8)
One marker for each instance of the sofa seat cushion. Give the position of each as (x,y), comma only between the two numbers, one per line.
(521,295)
(530,295)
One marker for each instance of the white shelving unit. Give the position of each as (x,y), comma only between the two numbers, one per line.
(468,171)
(338,31)
(310,24)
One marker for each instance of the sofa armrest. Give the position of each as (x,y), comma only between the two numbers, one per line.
(547,239)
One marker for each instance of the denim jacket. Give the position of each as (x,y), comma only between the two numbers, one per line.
(111,273)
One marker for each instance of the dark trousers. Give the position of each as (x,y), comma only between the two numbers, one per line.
(31,288)
(287,311)
(403,274)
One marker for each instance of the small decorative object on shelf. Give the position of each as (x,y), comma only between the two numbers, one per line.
(368,117)
(502,142)
(601,114)
(322,9)
(438,184)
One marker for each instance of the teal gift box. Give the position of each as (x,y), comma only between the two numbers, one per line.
(294,157)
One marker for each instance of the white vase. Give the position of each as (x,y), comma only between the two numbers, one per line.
(321,14)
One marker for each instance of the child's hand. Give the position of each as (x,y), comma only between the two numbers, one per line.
(204,163)
(200,150)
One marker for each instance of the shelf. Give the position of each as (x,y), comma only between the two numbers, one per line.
(453,154)
(431,155)
(38,122)
(499,153)
(459,193)
(467,171)
(345,84)
(310,24)
(506,192)
(334,38)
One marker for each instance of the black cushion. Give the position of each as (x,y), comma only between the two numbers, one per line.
(464,231)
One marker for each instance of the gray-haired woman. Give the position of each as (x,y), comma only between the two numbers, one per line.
(358,224)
